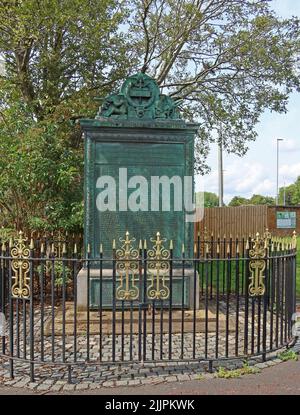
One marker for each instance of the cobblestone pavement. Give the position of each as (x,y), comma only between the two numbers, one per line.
(277,377)
(96,377)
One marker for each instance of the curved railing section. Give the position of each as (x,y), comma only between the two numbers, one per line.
(230,298)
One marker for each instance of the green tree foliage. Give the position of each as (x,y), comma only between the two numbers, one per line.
(208,198)
(238,201)
(261,200)
(254,200)
(58,54)
(226,61)
(58,51)
(292,194)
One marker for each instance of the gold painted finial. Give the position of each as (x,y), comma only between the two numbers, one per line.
(294,238)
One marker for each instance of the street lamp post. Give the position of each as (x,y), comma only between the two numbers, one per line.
(220,163)
(220,167)
(277,182)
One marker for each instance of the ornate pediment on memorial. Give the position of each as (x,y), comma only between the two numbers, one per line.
(139,99)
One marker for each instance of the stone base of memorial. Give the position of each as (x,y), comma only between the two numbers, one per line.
(107,291)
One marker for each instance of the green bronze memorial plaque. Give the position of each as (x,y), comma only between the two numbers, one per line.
(136,145)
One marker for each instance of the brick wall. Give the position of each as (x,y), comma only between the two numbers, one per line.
(272,220)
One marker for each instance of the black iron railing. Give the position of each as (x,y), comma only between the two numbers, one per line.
(232,298)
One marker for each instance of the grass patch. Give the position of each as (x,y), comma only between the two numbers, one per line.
(224,270)
(224,373)
(288,355)
(228,272)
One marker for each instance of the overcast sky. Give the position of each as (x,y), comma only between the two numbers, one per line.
(256,172)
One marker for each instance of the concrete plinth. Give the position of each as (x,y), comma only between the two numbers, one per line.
(94,275)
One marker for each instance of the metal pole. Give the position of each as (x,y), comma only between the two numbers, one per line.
(277,175)
(220,164)
(277,179)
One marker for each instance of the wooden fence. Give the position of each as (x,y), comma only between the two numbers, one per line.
(240,221)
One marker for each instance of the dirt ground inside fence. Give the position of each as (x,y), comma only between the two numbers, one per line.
(128,322)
